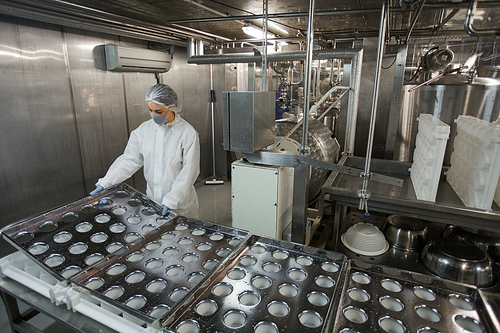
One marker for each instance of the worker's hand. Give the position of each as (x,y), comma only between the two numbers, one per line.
(165,210)
(98,189)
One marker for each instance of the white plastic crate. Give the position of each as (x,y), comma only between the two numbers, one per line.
(428,156)
(475,162)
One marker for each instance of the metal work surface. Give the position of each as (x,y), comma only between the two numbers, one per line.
(384,299)
(402,200)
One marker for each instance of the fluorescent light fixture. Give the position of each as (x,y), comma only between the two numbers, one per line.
(255,32)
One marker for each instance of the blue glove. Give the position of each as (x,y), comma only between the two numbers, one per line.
(98,189)
(165,210)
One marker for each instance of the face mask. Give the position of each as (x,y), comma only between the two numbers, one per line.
(160,118)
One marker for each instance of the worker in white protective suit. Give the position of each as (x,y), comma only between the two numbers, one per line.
(169,149)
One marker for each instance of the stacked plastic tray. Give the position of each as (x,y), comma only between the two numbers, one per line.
(428,156)
(475,162)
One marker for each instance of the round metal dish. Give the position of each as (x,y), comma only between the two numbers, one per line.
(459,261)
(405,233)
(487,241)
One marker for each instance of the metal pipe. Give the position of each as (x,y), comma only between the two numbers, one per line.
(469,20)
(304,150)
(446,19)
(352,115)
(264,46)
(212,101)
(381,46)
(414,20)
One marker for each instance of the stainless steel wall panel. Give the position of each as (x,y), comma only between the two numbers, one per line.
(40,162)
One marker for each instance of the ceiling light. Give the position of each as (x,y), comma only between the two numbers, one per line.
(255,32)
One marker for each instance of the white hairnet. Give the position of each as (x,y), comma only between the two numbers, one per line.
(163,95)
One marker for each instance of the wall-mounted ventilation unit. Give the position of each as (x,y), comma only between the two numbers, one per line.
(129,59)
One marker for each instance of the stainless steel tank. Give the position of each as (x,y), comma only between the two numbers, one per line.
(324,147)
(446,99)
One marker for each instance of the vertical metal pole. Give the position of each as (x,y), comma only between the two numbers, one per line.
(264,47)
(364,195)
(212,101)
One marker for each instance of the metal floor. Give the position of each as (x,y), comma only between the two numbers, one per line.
(215,206)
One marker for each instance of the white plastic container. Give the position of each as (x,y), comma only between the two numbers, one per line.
(428,156)
(475,162)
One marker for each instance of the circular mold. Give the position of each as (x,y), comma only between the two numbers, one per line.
(105,201)
(135,277)
(93,258)
(147,228)
(94,283)
(204,246)
(102,218)
(424,293)
(222,252)
(70,271)
(154,263)
(288,290)
(361,278)
(130,237)
(113,247)
(310,319)
(428,313)
(330,267)
(134,219)
(69,217)
(258,249)
(190,257)
(391,303)
(391,325)
(185,241)
(265,327)
(234,319)
(47,226)
(188,326)
(162,220)
(198,232)
(116,269)
(62,237)
(236,273)
(38,248)
(156,286)
(54,260)
(248,260)
(178,293)
(119,210)
(121,194)
(181,226)
(196,277)
(222,289)
(134,202)
(78,248)
(249,298)
(168,235)
(358,295)
(88,209)
(391,285)
(83,227)
(348,330)
(148,211)
(461,302)
(280,254)
(117,228)
(278,308)
(271,267)
(174,270)
(324,281)
(24,237)
(154,245)
(206,307)
(170,251)
(135,256)
(355,314)
(304,261)
(216,236)
(468,324)
(427,330)
(136,302)
(99,237)
(297,274)
(114,292)
(159,311)
(209,264)
(261,282)
(234,241)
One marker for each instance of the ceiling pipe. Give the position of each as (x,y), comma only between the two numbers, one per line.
(469,21)
(414,20)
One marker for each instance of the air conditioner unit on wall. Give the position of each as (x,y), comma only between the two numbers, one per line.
(129,59)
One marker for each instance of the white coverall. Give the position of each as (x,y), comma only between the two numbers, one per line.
(170,155)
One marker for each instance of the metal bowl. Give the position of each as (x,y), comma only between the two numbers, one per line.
(405,233)
(459,261)
(487,241)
